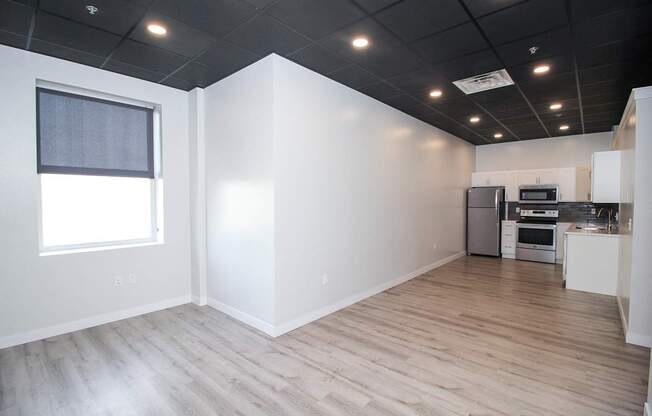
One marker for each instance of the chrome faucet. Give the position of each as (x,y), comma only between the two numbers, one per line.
(609,212)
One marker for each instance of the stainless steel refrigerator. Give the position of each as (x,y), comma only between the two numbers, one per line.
(484,212)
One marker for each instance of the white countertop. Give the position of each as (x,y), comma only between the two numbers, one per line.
(573,230)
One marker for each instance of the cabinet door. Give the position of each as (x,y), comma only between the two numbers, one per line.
(606,177)
(566,178)
(583,184)
(481,179)
(548,177)
(527,177)
(562,227)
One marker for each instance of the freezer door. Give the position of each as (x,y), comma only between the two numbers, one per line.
(484,197)
(483,231)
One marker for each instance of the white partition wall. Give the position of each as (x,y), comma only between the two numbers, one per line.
(319,196)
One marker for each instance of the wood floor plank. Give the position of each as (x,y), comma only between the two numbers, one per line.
(478,336)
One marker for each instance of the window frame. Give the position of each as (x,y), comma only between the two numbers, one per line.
(156,182)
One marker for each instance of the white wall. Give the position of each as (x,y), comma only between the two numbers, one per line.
(239,117)
(556,152)
(635,271)
(38,292)
(362,193)
(307,177)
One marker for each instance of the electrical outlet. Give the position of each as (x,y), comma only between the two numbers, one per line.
(518,209)
(592,211)
(131,278)
(118,281)
(324,279)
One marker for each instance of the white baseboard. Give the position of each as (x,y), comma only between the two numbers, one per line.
(244,317)
(621,311)
(199,300)
(278,330)
(646,410)
(334,307)
(54,330)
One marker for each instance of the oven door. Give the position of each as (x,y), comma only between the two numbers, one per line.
(538,195)
(537,236)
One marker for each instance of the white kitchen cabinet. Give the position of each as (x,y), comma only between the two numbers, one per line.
(502,178)
(574,183)
(508,239)
(562,227)
(605,177)
(591,262)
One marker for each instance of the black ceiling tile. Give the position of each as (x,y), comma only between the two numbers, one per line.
(31,3)
(419,83)
(390,62)
(526,19)
(12,39)
(225,58)
(594,100)
(413,19)
(318,59)
(180,38)
(635,49)
(316,18)
(481,7)
(177,83)
(117,16)
(528,131)
(559,66)
(380,91)
(548,44)
(264,35)
(54,29)
(68,54)
(133,71)
(559,116)
(600,126)
(353,76)
(620,25)
(217,17)
(372,6)
(460,109)
(452,43)
(470,65)
(386,56)
(615,107)
(148,57)
(542,108)
(508,95)
(586,9)
(607,87)
(408,104)
(197,74)
(15,17)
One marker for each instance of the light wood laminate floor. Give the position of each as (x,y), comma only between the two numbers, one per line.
(478,336)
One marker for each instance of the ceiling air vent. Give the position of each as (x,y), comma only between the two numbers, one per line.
(484,82)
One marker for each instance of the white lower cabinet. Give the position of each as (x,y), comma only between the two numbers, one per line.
(508,239)
(591,263)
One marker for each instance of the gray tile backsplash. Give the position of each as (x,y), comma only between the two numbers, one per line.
(577,212)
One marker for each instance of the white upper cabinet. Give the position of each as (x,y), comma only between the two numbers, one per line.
(574,183)
(605,178)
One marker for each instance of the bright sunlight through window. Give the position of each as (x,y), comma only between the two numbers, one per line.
(80,210)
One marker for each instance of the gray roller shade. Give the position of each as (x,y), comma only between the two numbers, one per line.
(88,136)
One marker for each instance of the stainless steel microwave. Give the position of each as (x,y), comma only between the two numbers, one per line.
(538,194)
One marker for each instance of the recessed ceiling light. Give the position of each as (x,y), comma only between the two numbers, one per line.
(498,136)
(360,42)
(435,93)
(555,106)
(541,69)
(564,127)
(156,29)
(474,119)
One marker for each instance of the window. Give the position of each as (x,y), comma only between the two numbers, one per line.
(97,163)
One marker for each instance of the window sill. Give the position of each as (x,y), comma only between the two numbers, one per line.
(62,251)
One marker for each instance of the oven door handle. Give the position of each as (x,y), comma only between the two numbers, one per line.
(537,226)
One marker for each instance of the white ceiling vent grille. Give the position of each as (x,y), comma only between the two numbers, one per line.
(484,82)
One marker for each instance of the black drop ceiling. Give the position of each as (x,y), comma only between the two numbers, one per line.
(598,50)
